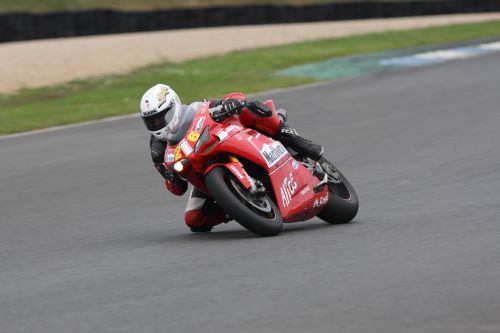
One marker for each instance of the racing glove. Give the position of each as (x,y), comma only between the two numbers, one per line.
(175,183)
(228,108)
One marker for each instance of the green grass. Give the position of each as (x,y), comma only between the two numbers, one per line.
(248,71)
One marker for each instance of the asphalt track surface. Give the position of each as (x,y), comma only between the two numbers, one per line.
(90,241)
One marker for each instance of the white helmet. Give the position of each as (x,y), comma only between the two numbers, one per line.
(155,104)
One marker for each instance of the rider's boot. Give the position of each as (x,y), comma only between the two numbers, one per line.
(289,136)
(282,115)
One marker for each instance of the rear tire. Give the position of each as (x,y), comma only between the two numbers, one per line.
(343,202)
(259,215)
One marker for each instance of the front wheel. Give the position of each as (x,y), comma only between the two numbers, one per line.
(343,202)
(258,214)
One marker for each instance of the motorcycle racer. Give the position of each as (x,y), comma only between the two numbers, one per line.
(157,108)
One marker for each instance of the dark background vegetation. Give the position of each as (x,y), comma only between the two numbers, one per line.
(65,23)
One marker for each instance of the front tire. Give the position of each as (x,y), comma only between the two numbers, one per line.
(343,203)
(257,214)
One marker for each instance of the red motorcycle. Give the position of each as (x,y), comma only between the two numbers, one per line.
(255,179)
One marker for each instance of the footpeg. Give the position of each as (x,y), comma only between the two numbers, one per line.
(321,185)
(332,172)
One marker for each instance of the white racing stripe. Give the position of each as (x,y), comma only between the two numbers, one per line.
(440,56)
(444,55)
(491,46)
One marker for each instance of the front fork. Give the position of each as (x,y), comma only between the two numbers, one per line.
(256,186)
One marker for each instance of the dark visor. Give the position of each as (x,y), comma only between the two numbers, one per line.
(156,121)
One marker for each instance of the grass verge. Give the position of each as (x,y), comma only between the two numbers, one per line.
(248,71)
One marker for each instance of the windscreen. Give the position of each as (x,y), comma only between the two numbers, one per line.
(180,122)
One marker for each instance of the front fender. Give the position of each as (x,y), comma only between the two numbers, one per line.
(236,169)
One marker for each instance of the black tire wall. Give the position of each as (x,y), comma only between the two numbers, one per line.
(25,26)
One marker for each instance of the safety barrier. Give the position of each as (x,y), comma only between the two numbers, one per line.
(25,26)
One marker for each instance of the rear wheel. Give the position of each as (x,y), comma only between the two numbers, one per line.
(343,202)
(257,213)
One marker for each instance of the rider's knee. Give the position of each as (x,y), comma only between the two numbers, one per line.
(194,218)
(199,218)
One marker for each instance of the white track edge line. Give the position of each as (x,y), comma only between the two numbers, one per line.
(63,127)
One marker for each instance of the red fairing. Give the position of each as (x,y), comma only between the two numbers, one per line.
(294,187)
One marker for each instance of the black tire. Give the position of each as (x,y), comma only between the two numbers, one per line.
(342,204)
(223,187)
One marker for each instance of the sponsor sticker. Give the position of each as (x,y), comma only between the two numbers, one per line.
(288,188)
(149,113)
(170,158)
(178,154)
(305,190)
(186,148)
(295,164)
(222,135)
(193,136)
(273,153)
(231,128)
(321,201)
(236,171)
(199,124)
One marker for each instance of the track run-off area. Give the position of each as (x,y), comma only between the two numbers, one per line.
(90,240)
(39,63)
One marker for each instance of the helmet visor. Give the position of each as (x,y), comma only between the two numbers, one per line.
(157,121)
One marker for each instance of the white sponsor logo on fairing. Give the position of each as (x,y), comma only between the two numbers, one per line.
(222,135)
(186,148)
(273,153)
(231,128)
(305,190)
(288,189)
(199,124)
(321,201)
(237,172)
